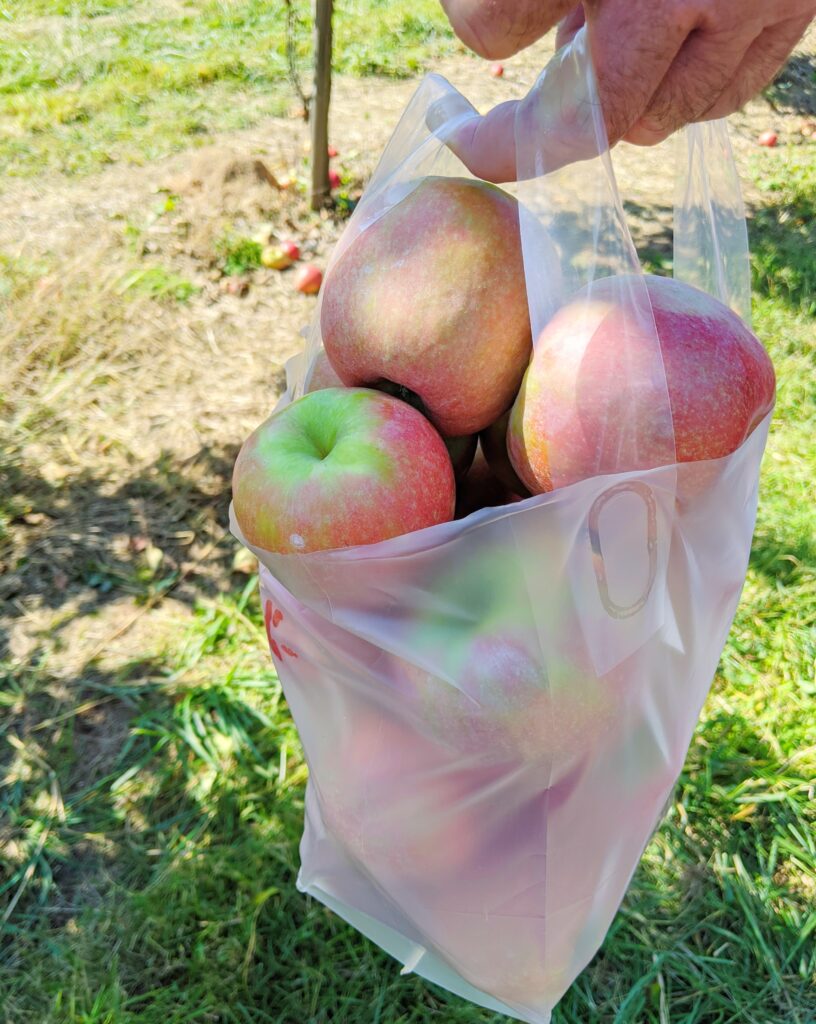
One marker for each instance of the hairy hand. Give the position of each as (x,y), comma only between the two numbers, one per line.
(660,64)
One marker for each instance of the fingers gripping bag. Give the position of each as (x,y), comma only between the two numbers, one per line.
(495,709)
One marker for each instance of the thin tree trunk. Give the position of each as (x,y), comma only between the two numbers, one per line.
(321,94)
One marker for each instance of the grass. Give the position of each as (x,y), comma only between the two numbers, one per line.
(784,228)
(104,82)
(151,790)
(238,255)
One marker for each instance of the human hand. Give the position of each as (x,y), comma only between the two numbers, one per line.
(659,64)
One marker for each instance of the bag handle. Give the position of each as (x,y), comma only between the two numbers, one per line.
(560,126)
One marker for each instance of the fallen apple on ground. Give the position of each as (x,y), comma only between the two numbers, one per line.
(308,279)
(275,257)
(575,412)
(341,467)
(431,296)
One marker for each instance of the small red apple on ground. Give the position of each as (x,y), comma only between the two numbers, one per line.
(341,467)
(291,248)
(496,70)
(575,413)
(308,279)
(432,297)
(332,151)
(235,285)
(334,179)
(769,138)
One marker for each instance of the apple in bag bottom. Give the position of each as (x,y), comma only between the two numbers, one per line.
(510,707)
(574,413)
(431,297)
(398,803)
(341,467)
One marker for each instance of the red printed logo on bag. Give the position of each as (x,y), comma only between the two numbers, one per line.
(273,617)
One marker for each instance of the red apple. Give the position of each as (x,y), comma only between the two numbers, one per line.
(493,442)
(496,70)
(575,414)
(334,178)
(308,279)
(431,296)
(460,449)
(321,375)
(768,138)
(341,467)
(399,803)
(332,151)
(292,249)
(511,706)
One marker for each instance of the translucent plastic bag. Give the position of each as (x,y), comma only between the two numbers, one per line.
(495,710)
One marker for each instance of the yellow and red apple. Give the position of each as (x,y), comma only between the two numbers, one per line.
(431,297)
(575,406)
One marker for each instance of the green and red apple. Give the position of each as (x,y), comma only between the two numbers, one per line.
(338,468)
(432,297)
(461,449)
(574,410)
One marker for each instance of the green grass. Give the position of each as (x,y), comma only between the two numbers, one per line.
(237,255)
(783,230)
(158,283)
(148,78)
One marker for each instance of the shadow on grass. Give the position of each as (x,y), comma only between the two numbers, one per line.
(782,238)
(794,88)
(778,557)
(80,543)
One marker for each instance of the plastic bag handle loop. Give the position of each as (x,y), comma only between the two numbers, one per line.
(646,495)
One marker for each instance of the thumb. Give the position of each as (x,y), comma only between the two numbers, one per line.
(486,143)
(557,123)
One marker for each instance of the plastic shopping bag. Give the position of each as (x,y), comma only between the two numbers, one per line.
(494,710)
